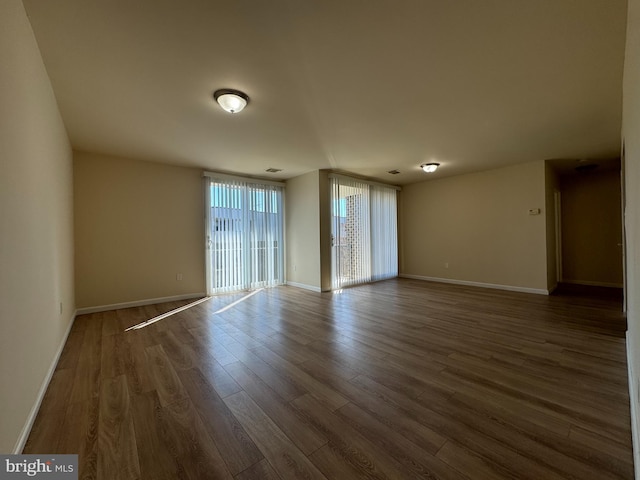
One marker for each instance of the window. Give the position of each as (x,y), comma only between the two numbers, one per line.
(244,234)
(364,231)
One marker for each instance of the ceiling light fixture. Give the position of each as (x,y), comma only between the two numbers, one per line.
(429,167)
(232,101)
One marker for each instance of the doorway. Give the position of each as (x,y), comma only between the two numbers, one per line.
(590,234)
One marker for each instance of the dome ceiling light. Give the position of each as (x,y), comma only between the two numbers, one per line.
(232,101)
(429,167)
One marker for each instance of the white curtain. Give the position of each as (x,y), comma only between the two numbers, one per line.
(245,234)
(351,240)
(364,231)
(384,233)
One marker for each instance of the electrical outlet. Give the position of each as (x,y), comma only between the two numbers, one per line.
(179,277)
(446,264)
(60,308)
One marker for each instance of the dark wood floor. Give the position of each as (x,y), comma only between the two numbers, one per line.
(401,379)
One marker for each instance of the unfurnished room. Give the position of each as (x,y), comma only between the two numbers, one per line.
(320,239)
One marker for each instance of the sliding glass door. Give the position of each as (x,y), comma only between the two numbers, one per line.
(245,237)
(384,232)
(351,242)
(364,244)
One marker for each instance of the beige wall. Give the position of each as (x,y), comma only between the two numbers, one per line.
(325,232)
(552,185)
(631,134)
(479,225)
(592,228)
(303,230)
(138,224)
(36,214)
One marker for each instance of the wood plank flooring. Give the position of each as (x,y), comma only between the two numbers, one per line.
(401,379)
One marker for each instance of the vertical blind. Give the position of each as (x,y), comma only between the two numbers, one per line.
(364,231)
(245,234)
(351,242)
(384,233)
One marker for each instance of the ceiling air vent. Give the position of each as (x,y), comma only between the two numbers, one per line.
(273,170)
(394,172)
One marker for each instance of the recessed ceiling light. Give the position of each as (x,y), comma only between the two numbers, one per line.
(273,170)
(232,101)
(394,172)
(429,167)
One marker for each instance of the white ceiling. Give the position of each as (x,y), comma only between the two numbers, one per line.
(364,86)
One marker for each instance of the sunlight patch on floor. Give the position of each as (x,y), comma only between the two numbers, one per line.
(153,320)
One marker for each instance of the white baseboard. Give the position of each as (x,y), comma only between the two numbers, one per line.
(138,303)
(633,404)
(305,286)
(26,430)
(537,291)
(593,284)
